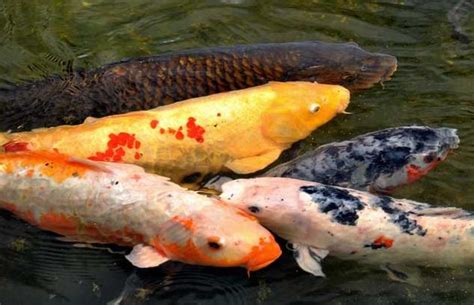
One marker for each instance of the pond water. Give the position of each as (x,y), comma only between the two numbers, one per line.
(434,86)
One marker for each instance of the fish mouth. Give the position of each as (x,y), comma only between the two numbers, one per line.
(382,69)
(263,255)
(449,138)
(344,99)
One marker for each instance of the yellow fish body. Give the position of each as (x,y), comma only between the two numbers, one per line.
(242,131)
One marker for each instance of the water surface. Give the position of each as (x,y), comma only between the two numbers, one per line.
(434,86)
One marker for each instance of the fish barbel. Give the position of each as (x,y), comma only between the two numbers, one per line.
(188,140)
(101,202)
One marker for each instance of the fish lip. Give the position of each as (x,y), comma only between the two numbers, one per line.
(391,68)
(267,253)
(251,268)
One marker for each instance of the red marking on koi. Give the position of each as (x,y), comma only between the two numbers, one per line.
(171,130)
(15,146)
(179,133)
(383,241)
(153,124)
(115,147)
(162,130)
(138,155)
(135,177)
(195,131)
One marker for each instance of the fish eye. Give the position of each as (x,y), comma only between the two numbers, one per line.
(254,209)
(214,243)
(313,108)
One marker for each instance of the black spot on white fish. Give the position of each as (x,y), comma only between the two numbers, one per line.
(338,203)
(400,218)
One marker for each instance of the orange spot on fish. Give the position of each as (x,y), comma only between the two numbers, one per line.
(186,222)
(383,241)
(413,173)
(154,123)
(115,147)
(13,146)
(59,223)
(138,156)
(171,130)
(179,134)
(8,206)
(136,177)
(195,131)
(30,173)
(51,164)
(162,130)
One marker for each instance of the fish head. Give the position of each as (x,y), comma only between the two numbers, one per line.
(345,64)
(301,107)
(274,201)
(411,152)
(219,235)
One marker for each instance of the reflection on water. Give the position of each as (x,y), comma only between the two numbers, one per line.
(433,86)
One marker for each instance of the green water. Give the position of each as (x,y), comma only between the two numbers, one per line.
(434,85)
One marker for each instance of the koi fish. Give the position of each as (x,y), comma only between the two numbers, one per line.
(148,82)
(103,202)
(354,225)
(189,140)
(378,162)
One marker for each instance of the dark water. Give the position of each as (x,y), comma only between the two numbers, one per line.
(433,86)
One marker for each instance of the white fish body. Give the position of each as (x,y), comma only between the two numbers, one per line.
(355,225)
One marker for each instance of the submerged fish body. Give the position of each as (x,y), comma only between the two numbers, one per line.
(379,161)
(189,140)
(119,203)
(355,225)
(149,82)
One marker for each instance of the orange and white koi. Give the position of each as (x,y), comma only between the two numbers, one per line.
(188,140)
(103,202)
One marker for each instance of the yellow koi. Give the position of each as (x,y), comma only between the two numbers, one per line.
(242,131)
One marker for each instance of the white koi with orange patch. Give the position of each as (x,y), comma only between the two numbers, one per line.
(120,203)
(355,225)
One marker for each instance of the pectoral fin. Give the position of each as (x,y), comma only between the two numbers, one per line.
(253,164)
(216,183)
(309,259)
(145,257)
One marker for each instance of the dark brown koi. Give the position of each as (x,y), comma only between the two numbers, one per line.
(149,82)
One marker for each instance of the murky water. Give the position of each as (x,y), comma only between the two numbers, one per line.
(433,86)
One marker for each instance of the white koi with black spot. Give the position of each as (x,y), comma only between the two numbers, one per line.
(355,225)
